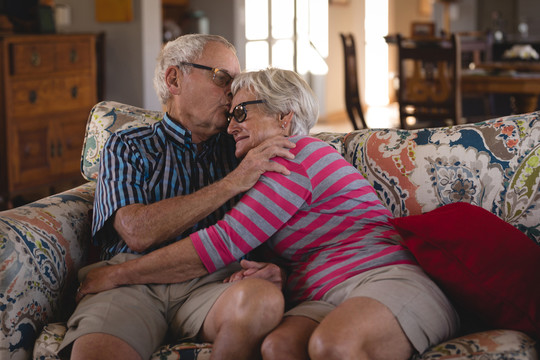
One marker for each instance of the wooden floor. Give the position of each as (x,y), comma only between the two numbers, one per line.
(376,117)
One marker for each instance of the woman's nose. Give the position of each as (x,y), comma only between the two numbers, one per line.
(232,129)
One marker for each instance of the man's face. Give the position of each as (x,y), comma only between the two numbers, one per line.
(202,103)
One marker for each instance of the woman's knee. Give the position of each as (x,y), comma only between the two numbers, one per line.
(275,346)
(323,346)
(279,345)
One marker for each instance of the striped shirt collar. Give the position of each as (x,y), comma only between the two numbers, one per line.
(182,136)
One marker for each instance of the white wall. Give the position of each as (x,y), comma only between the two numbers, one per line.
(130,49)
(343,18)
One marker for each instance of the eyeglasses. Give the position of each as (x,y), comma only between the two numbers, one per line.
(220,77)
(239,112)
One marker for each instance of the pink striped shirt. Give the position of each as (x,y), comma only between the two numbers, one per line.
(324,222)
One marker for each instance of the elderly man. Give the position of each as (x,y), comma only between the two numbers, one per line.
(158,184)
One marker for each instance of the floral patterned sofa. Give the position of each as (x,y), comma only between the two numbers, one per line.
(493,164)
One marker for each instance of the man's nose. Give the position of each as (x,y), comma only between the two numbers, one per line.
(228,92)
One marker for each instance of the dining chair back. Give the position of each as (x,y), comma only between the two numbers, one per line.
(429,81)
(352,94)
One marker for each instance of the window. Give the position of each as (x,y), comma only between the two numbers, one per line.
(274,38)
(376,27)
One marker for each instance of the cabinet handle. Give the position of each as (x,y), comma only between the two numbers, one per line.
(32,96)
(35,59)
(59,147)
(73,56)
(52,150)
(74,92)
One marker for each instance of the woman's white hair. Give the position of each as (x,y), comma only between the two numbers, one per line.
(283,91)
(185,48)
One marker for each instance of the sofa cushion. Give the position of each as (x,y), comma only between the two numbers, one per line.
(106,118)
(51,338)
(42,245)
(482,346)
(492,164)
(482,263)
(487,345)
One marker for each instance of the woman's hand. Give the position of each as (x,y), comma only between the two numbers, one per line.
(253,269)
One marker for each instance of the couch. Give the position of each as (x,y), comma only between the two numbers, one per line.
(493,164)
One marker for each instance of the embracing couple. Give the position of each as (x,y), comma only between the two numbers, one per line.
(226,223)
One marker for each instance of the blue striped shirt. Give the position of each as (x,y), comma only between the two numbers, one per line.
(148,164)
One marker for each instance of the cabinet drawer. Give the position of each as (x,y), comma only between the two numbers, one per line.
(29,150)
(73,55)
(71,129)
(34,97)
(32,58)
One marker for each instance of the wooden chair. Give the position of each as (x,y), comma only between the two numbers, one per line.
(429,81)
(352,95)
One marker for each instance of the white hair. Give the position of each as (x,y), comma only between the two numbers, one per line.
(185,48)
(283,91)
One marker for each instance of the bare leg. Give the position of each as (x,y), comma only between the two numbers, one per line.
(240,319)
(289,340)
(360,328)
(110,348)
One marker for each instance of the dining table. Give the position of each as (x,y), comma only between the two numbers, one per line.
(519,79)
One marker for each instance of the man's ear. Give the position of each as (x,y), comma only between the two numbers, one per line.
(173,78)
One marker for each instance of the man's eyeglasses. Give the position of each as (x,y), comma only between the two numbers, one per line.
(239,112)
(220,77)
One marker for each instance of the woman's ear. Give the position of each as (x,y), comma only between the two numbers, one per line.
(286,120)
(173,77)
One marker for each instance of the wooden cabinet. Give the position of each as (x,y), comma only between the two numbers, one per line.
(48,85)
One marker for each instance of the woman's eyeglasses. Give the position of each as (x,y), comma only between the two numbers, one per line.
(239,112)
(220,77)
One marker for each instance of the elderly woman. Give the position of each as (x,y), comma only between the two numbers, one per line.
(354,291)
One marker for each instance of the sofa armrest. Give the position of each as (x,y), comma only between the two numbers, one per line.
(42,246)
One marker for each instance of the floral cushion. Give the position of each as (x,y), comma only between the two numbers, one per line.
(106,118)
(494,164)
(52,335)
(41,247)
(487,345)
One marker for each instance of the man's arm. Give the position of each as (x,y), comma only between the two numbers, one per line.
(144,226)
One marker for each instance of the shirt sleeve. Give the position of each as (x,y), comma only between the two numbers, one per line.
(261,212)
(121,181)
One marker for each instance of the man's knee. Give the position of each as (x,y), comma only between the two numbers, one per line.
(256,297)
(102,346)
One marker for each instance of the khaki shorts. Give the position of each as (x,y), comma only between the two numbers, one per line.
(146,316)
(422,310)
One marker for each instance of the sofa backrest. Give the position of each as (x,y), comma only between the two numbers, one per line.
(493,164)
(108,117)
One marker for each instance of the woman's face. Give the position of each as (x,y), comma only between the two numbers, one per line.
(256,127)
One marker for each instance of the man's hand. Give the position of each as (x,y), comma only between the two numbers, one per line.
(260,270)
(257,162)
(97,280)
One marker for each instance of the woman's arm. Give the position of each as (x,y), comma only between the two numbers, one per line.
(171,264)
